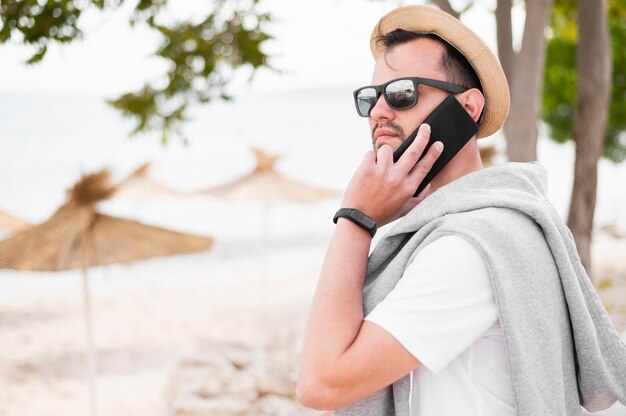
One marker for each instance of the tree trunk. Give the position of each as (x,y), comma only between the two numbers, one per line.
(506,54)
(526,84)
(594,67)
(505,37)
(446,7)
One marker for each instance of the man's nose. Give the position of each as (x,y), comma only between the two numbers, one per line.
(381,110)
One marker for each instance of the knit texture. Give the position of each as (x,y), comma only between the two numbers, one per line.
(563,348)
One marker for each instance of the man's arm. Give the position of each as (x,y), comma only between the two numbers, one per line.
(345,358)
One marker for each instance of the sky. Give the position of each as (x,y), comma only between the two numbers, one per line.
(320,43)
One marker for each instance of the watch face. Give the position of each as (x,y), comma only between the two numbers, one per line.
(358,218)
(363,219)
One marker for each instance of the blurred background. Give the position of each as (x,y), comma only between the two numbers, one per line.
(169,171)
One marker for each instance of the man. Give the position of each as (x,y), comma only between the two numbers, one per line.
(475,302)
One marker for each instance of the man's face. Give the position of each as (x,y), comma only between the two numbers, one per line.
(417,58)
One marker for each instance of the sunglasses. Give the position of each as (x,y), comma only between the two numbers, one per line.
(399,93)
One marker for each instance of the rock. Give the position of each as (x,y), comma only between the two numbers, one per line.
(243,384)
(196,382)
(236,379)
(215,406)
(272,405)
(274,380)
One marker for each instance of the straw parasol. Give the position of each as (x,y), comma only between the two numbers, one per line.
(265,184)
(77,236)
(10,223)
(139,184)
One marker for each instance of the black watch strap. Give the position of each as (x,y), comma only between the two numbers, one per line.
(358,218)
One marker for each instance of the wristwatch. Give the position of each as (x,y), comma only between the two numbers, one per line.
(358,218)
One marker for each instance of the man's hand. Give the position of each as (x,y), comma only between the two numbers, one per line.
(384,190)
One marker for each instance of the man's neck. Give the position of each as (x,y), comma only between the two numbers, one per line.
(467,160)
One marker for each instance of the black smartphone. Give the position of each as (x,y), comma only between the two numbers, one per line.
(450,124)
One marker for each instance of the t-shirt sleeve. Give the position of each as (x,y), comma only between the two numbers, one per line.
(443,302)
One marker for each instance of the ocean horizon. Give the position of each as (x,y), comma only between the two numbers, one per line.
(48,141)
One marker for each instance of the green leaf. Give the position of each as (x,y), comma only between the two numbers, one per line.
(38,56)
(203,55)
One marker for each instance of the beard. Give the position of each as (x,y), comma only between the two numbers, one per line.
(390,125)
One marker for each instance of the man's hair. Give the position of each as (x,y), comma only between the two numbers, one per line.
(453,63)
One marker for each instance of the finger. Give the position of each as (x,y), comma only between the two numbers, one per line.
(384,155)
(424,166)
(412,154)
(369,158)
(422,195)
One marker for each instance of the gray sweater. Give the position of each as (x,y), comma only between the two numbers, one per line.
(563,349)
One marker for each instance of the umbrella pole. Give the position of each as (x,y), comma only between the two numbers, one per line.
(90,356)
(265,255)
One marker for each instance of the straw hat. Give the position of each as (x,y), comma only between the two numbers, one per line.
(430,20)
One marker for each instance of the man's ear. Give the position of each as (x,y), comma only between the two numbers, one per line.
(473,101)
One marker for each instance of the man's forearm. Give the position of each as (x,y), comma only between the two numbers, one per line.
(337,310)
(341,356)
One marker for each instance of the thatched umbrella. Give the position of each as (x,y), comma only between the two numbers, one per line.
(267,186)
(11,223)
(79,237)
(139,184)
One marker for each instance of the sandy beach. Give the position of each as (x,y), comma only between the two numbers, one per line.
(143,336)
(610,271)
(159,342)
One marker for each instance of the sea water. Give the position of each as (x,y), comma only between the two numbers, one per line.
(48,142)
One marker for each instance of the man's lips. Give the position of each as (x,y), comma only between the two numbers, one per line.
(385,136)
(384,133)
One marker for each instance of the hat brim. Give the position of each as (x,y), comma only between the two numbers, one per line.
(424,19)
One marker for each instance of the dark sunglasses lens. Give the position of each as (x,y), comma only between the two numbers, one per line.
(401,94)
(365,101)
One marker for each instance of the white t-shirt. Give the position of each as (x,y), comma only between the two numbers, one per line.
(443,312)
